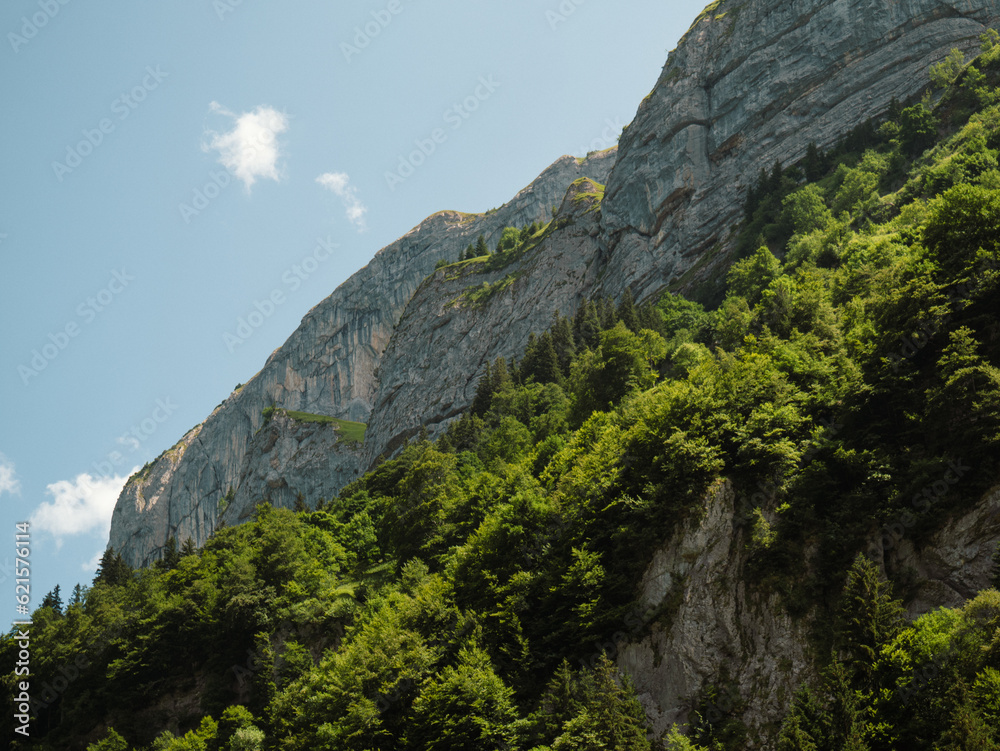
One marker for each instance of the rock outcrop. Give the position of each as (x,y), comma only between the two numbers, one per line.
(714,626)
(464,317)
(750,84)
(289,461)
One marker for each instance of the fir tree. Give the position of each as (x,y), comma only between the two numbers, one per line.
(188,548)
(79,593)
(650,318)
(563,341)
(626,311)
(484,393)
(794,737)
(968,730)
(606,313)
(112,569)
(774,179)
(540,363)
(814,163)
(870,617)
(112,741)
(53,600)
(807,724)
(482,249)
(846,723)
(587,326)
(171,556)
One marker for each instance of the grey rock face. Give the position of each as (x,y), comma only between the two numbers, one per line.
(288,460)
(752,83)
(717,622)
(326,367)
(429,373)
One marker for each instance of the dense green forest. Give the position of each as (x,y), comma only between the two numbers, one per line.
(471,592)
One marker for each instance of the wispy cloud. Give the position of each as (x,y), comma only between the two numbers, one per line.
(80,506)
(251,149)
(93,563)
(8,477)
(340,184)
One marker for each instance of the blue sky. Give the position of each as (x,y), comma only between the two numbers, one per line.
(167,165)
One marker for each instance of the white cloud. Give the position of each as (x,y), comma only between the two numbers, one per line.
(340,184)
(8,477)
(91,565)
(79,507)
(251,149)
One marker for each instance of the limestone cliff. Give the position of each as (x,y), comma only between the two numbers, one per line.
(326,367)
(714,626)
(752,83)
(464,317)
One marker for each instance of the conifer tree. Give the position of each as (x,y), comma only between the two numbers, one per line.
(626,311)
(813,163)
(482,249)
(484,392)
(606,313)
(807,724)
(112,569)
(540,363)
(112,741)
(650,318)
(587,326)
(188,548)
(774,179)
(846,723)
(968,730)
(870,619)
(563,341)
(171,556)
(53,600)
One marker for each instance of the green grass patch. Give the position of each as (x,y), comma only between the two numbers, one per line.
(478,296)
(350,432)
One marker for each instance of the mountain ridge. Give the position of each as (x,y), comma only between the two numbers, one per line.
(327,366)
